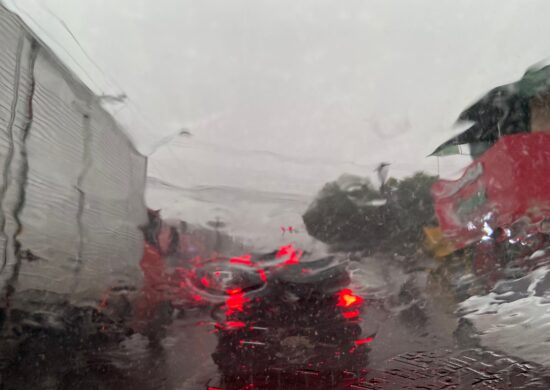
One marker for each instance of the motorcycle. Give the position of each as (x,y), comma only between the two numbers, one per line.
(290,323)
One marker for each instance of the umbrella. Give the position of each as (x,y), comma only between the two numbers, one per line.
(474,134)
(506,108)
(535,81)
(502,111)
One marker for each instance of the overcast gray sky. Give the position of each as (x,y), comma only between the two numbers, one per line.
(284,95)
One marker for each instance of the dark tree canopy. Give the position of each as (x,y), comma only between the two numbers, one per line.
(350,214)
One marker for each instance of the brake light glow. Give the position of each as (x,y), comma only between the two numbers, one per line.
(235,303)
(205,282)
(293,255)
(235,324)
(246,260)
(196,297)
(351,314)
(346,298)
(261,272)
(363,341)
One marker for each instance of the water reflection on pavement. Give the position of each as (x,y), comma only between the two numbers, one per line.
(419,341)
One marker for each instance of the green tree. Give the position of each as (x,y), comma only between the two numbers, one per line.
(348,213)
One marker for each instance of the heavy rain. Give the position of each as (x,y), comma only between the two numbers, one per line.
(231,195)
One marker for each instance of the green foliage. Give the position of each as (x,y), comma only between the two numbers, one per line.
(351,214)
(412,206)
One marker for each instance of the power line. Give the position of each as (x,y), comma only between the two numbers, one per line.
(57,43)
(129,103)
(108,79)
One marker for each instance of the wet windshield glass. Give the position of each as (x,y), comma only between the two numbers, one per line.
(274,195)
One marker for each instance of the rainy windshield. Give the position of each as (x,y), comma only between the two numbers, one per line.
(274,195)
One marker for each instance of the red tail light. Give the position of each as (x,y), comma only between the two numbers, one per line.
(363,341)
(346,298)
(293,255)
(235,324)
(261,272)
(351,314)
(205,282)
(246,260)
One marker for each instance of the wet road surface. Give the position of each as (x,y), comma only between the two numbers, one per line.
(419,341)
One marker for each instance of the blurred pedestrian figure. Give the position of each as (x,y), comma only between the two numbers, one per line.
(151,310)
